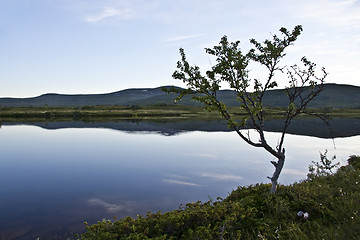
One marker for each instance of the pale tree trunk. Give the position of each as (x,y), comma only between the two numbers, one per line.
(278,167)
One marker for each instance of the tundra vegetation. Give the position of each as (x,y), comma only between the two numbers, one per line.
(324,206)
(232,70)
(330,196)
(159,111)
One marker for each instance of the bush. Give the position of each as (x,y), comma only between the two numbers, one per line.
(354,161)
(331,200)
(87,107)
(325,167)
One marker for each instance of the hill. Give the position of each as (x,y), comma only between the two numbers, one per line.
(333,96)
(116,98)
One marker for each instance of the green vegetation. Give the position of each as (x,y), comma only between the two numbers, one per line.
(233,71)
(331,200)
(13,114)
(95,112)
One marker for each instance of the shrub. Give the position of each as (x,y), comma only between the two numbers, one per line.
(354,161)
(332,201)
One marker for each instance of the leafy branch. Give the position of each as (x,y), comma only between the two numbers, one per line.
(232,68)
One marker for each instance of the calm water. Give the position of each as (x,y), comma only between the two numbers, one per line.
(52,181)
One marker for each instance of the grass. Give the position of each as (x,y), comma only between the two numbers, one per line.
(141,112)
(332,201)
(92,112)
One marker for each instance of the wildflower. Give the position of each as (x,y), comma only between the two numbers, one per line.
(302,215)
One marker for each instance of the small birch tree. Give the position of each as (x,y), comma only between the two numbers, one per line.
(232,68)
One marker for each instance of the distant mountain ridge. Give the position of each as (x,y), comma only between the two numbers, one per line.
(334,95)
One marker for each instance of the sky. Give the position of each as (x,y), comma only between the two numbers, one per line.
(103,46)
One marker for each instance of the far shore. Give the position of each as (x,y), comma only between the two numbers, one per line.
(160,111)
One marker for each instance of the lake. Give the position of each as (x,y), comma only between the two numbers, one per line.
(56,175)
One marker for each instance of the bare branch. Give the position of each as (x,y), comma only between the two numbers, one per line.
(274,163)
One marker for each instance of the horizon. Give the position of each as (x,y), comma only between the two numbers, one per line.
(142,88)
(82,47)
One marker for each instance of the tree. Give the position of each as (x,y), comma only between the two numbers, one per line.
(232,69)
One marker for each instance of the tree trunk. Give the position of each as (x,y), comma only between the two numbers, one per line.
(278,167)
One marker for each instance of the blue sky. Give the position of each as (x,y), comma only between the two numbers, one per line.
(101,46)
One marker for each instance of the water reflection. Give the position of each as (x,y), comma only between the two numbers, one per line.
(53,181)
(335,127)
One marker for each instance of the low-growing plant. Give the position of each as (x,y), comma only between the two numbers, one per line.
(324,167)
(354,161)
(331,200)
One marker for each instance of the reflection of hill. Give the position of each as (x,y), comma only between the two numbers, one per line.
(339,127)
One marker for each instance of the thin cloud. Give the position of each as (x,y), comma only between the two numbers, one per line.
(222,177)
(108,12)
(109,207)
(181,38)
(338,13)
(202,155)
(181,182)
